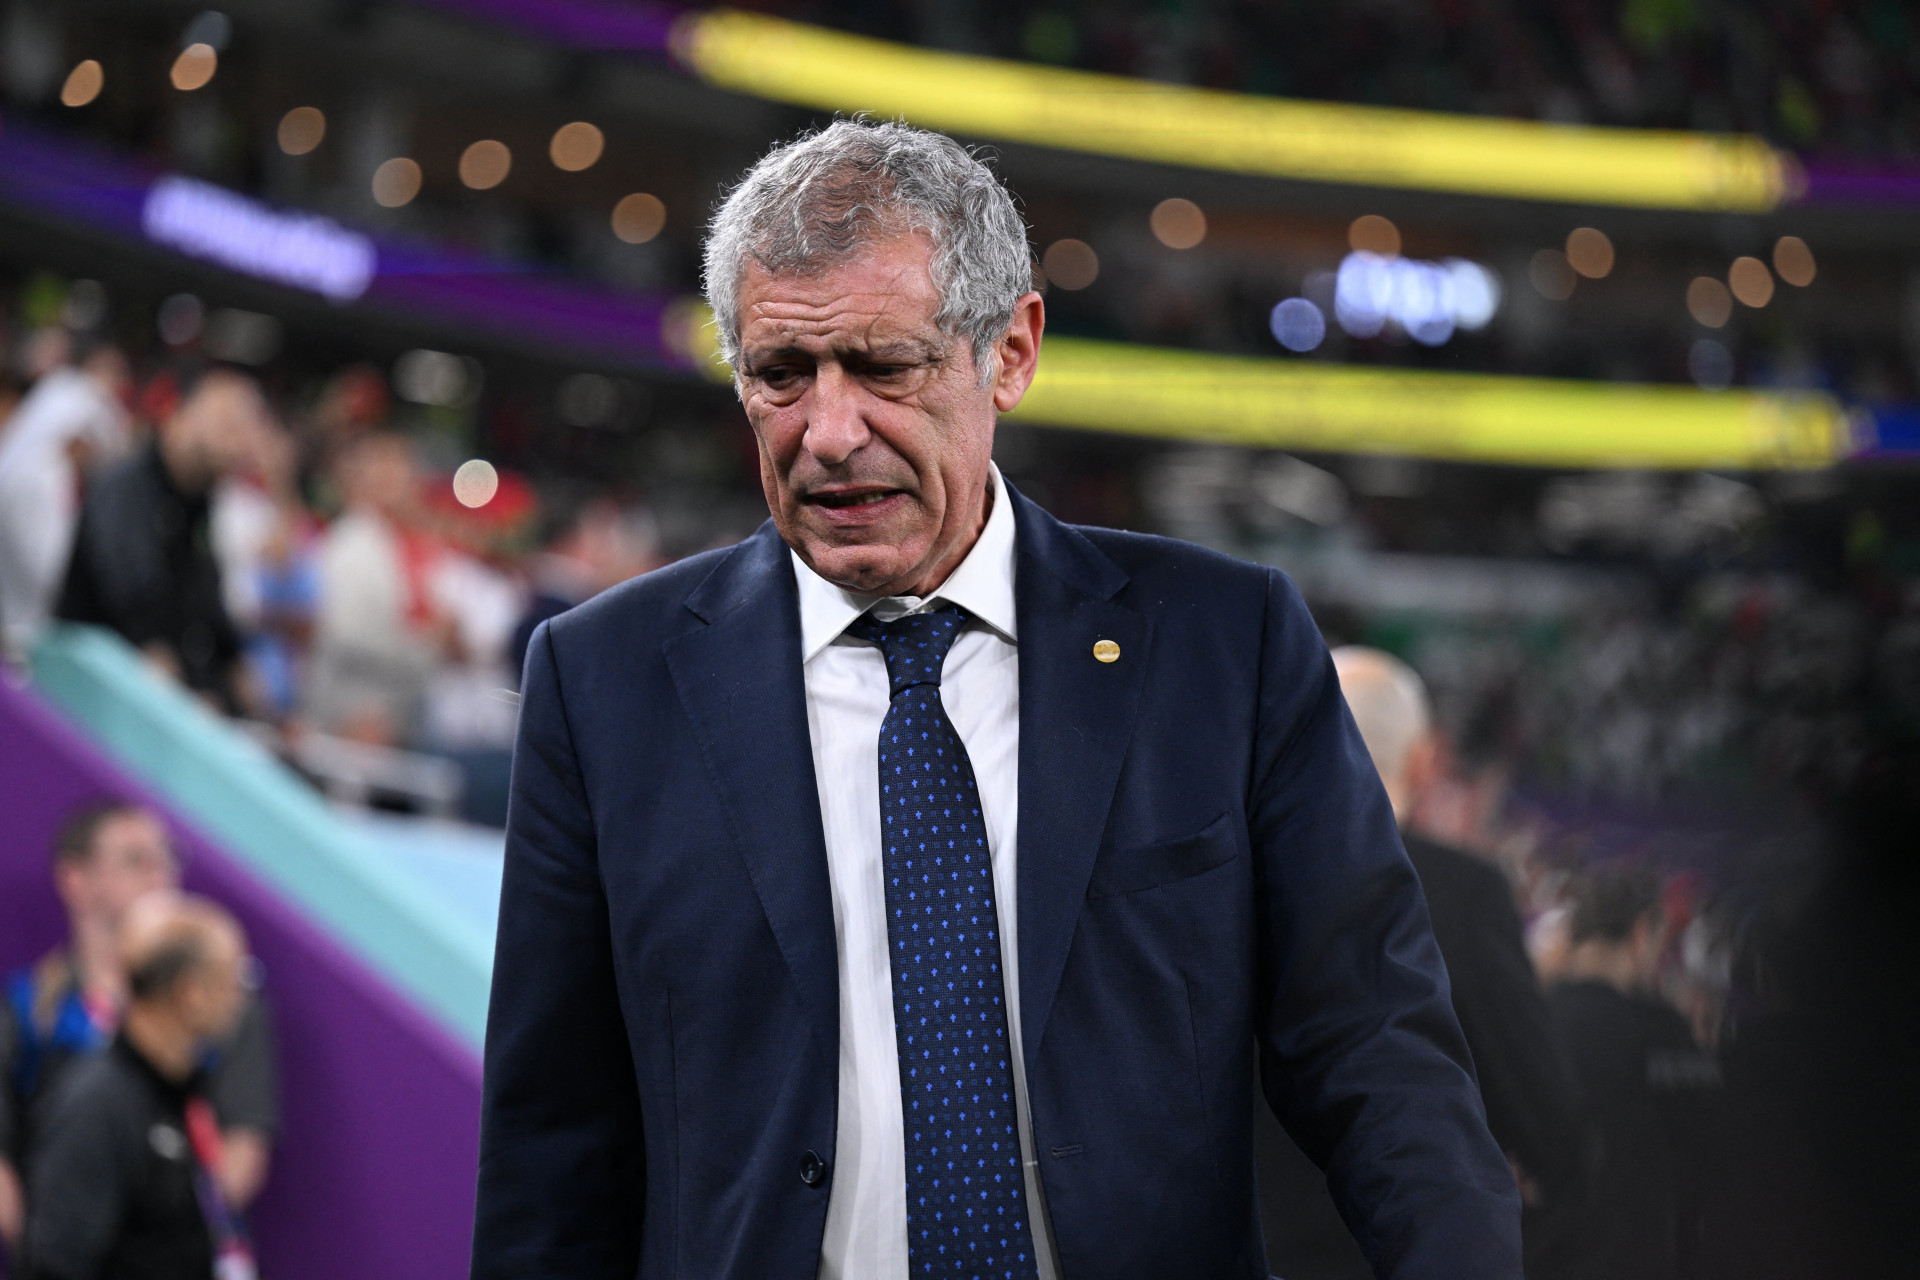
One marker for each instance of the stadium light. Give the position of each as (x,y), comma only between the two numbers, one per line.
(83,84)
(826,70)
(1427,300)
(1463,417)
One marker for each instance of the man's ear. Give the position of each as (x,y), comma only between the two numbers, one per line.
(1019,352)
(1425,765)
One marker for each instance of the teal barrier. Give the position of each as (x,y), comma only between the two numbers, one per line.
(428,941)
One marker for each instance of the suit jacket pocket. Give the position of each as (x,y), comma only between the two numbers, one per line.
(1127,870)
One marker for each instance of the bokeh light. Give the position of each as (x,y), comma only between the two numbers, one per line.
(1371,233)
(83,84)
(1071,264)
(485,164)
(194,68)
(1476,293)
(1428,300)
(1709,302)
(639,217)
(1178,224)
(1794,261)
(1590,252)
(396,182)
(1750,281)
(1552,275)
(302,130)
(475,483)
(1298,325)
(577,146)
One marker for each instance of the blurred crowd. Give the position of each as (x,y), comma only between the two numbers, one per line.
(299,565)
(1635,1028)
(1836,77)
(316,565)
(1827,80)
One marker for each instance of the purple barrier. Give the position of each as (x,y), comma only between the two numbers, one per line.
(374,1174)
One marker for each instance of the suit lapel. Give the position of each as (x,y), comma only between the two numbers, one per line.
(740,680)
(1076,719)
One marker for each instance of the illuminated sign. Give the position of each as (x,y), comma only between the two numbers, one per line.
(1203,128)
(303,250)
(1428,300)
(1464,417)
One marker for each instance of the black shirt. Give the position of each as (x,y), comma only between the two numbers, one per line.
(1653,1097)
(242,1071)
(110,1180)
(1532,1103)
(143,564)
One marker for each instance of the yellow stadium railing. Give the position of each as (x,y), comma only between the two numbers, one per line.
(1239,133)
(1461,417)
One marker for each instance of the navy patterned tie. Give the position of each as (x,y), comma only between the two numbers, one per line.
(966,1200)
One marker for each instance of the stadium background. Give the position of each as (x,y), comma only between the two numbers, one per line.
(1570,350)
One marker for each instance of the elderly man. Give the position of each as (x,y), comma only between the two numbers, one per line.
(914,888)
(1531,1098)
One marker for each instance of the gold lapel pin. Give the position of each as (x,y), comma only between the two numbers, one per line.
(1106,651)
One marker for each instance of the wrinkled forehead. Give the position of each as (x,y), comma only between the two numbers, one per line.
(884,298)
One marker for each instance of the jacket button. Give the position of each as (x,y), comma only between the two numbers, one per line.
(813,1170)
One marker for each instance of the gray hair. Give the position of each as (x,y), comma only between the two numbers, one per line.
(820,199)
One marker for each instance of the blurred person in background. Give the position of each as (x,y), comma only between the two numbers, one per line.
(44,350)
(353,404)
(1532,1102)
(380,631)
(590,549)
(143,561)
(477,582)
(267,545)
(74,417)
(67,1006)
(124,1178)
(1651,1093)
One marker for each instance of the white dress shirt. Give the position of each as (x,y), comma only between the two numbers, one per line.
(846,681)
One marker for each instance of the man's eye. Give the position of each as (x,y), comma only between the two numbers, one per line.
(778,376)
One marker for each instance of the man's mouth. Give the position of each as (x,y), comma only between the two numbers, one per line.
(840,500)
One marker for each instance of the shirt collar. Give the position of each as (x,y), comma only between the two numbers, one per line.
(982,585)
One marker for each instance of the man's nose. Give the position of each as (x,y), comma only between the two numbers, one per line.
(836,423)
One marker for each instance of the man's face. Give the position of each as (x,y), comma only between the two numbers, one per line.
(875,432)
(222,425)
(131,858)
(380,476)
(211,997)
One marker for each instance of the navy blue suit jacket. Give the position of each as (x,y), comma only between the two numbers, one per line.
(1210,885)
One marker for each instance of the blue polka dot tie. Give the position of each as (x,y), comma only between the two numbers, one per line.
(966,1200)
